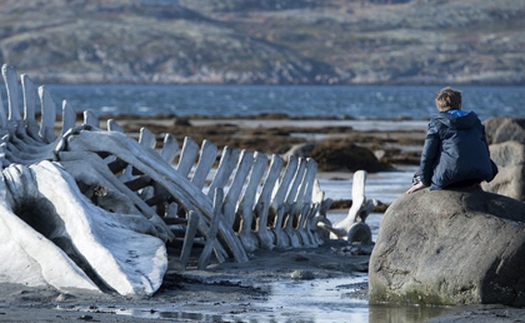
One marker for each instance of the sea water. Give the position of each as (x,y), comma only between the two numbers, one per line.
(359,102)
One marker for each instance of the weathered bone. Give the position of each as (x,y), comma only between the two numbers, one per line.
(296,206)
(33,260)
(170,148)
(226,166)
(280,206)
(90,119)
(250,240)
(47,126)
(354,223)
(128,260)
(149,162)
(110,177)
(68,117)
(88,171)
(239,178)
(189,236)
(208,154)
(189,154)
(28,90)
(11,85)
(214,228)
(303,199)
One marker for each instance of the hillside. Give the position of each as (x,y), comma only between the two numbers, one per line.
(265,41)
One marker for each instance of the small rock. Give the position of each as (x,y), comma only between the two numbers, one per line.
(86,318)
(64,296)
(302,275)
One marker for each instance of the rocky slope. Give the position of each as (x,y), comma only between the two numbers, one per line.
(265,42)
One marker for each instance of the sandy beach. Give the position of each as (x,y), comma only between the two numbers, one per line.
(324,284)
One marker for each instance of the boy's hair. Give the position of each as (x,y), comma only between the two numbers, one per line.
(448,99)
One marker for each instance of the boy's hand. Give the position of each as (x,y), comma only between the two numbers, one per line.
(415,187)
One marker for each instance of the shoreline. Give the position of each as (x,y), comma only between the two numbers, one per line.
(357,125)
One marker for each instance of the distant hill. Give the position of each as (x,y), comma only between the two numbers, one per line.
(265,41)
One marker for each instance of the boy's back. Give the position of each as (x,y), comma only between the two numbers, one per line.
(455,151)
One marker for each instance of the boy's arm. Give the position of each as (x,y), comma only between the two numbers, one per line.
(429,154)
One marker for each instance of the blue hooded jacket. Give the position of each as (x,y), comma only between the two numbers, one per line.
(455,150)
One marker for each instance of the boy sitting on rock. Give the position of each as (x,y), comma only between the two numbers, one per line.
(455,153)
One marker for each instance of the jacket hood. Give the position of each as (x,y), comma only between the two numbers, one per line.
(453,122)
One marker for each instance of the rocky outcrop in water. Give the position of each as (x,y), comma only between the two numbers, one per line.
(450,247)
(340,156)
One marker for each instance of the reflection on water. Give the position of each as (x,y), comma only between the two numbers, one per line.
(314,301)
(171,315)
(322,310)
(319,301)
(190,317)
(404,314)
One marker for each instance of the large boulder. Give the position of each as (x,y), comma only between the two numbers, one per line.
(510,158)
(500,129)
(506,137)
(450,247)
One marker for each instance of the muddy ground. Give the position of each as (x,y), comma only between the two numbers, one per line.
(325,284)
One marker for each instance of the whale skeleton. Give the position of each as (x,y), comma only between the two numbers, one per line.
(109,209)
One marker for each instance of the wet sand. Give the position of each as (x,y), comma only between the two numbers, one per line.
(324,284)
(224,292)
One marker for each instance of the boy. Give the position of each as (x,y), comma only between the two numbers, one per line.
(455,153)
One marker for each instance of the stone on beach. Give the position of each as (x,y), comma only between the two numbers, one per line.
(510,158)
(507,149)
(500,129)
(450,247)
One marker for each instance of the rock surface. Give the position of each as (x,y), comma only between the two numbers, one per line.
(501,129)
(346,156)
(510,158)
(450,247)
(339,156)
(506,137)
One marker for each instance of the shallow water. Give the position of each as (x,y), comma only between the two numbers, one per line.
(315,301)
(384,187)
(319,301)
(312,301)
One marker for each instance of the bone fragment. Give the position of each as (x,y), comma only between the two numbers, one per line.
(239,178)
(31,259)
(208,155)
(193,221)
(245,209)
(190,152)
